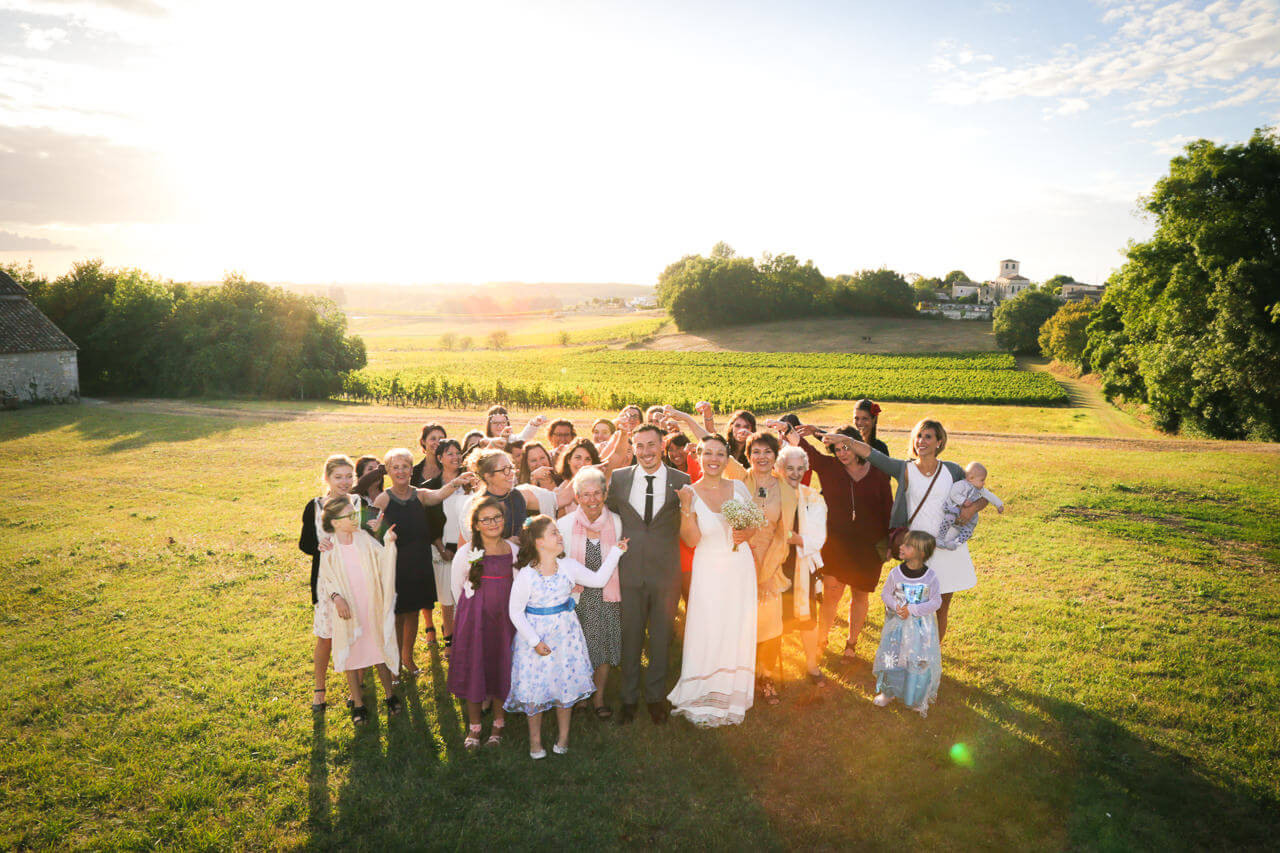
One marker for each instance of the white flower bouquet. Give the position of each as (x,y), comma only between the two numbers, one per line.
(742,515)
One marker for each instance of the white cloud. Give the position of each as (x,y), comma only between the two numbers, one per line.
(1172,146)
(43,39)
(11,242)
(1066,107)
(1157,58)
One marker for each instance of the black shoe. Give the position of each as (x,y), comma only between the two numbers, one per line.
(627,714)
(659,711)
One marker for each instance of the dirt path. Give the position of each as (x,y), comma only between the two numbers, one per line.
(1087,395)
(368,414)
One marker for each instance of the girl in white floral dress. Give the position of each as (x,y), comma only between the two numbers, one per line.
(549,664)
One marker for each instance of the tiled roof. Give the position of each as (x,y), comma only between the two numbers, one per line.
(22,327)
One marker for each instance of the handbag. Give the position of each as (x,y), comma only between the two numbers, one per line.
(898,534)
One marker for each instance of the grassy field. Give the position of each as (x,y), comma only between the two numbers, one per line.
(395,343)
(1111,682)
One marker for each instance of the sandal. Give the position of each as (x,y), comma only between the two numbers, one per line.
(850,651)
(768,691)
(604,712)
(394,705)
(473,737)
(429,636)
(321,705)
(359,714)
(495,734)
(817,679)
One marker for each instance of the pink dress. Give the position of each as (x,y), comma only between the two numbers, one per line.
(365,651)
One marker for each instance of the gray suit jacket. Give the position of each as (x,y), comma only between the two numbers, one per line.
(653,554)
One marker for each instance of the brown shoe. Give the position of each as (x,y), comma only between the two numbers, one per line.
(659,711)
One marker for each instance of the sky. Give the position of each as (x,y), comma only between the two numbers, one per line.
(601,141)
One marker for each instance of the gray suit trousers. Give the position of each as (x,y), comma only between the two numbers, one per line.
(652,607)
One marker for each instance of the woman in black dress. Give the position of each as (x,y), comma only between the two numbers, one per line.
(404,506)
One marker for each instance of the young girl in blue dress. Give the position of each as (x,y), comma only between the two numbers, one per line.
(908,664)
(550,667)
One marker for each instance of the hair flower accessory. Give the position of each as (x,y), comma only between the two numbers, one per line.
(529,521)
(875,410)
(476,556)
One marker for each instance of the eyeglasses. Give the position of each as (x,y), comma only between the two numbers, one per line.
(505,469)
(347,515)
(491,520)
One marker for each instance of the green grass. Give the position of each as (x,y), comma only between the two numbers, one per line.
(409,345)
(1113,676)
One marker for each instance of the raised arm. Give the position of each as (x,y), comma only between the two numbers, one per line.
(689,530)
(531,428)
(373,475)
(581,574)
(699,430)
(431,497)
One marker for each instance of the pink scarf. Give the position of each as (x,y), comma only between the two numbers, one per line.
(602,529)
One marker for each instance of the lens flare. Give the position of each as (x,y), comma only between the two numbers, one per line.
(961,756)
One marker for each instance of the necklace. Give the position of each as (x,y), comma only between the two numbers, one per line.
(763,491)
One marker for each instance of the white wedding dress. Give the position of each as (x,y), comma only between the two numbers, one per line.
(717,668)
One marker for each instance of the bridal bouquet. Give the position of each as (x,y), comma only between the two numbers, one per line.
(742,515)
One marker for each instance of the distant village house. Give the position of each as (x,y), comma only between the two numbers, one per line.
(37,360)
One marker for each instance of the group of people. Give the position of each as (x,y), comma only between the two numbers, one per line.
(555,562)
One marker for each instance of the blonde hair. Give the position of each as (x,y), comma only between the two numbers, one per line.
(922,542)
(930,424)
(397,453)
(484,462)
(335,462)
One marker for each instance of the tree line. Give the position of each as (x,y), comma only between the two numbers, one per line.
(140,335)
(1189,326)
(724,289)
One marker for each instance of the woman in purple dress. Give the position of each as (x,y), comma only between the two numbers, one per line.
(480,668)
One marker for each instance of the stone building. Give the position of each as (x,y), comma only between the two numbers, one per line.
(1008,284)
(37,360)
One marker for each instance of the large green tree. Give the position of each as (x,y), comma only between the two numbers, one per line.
(1190,324)
(1063,337)
(1017,321)
(1054,285)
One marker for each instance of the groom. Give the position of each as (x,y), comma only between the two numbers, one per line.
(644,497)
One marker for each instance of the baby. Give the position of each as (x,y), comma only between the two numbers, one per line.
(952,535)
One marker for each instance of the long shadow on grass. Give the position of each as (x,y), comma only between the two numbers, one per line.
(1005,769)
(119,429)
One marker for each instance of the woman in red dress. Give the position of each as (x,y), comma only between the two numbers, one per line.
(859,499)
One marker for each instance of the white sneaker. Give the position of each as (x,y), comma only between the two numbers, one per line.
(881,700)
(542,753)
(560,750)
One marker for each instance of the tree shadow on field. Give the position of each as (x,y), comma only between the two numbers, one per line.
(117,429)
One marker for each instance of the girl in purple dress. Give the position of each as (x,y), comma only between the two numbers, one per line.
(480,667)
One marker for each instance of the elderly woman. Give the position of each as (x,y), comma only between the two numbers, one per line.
(806,533)
(403,505)
(858,499)
(496,472)
(924,482)
(589,532)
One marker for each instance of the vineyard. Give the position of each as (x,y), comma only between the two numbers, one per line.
(763,382)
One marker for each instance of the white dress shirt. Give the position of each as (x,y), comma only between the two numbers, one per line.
(638,485)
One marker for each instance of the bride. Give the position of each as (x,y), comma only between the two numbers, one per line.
(717,670)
